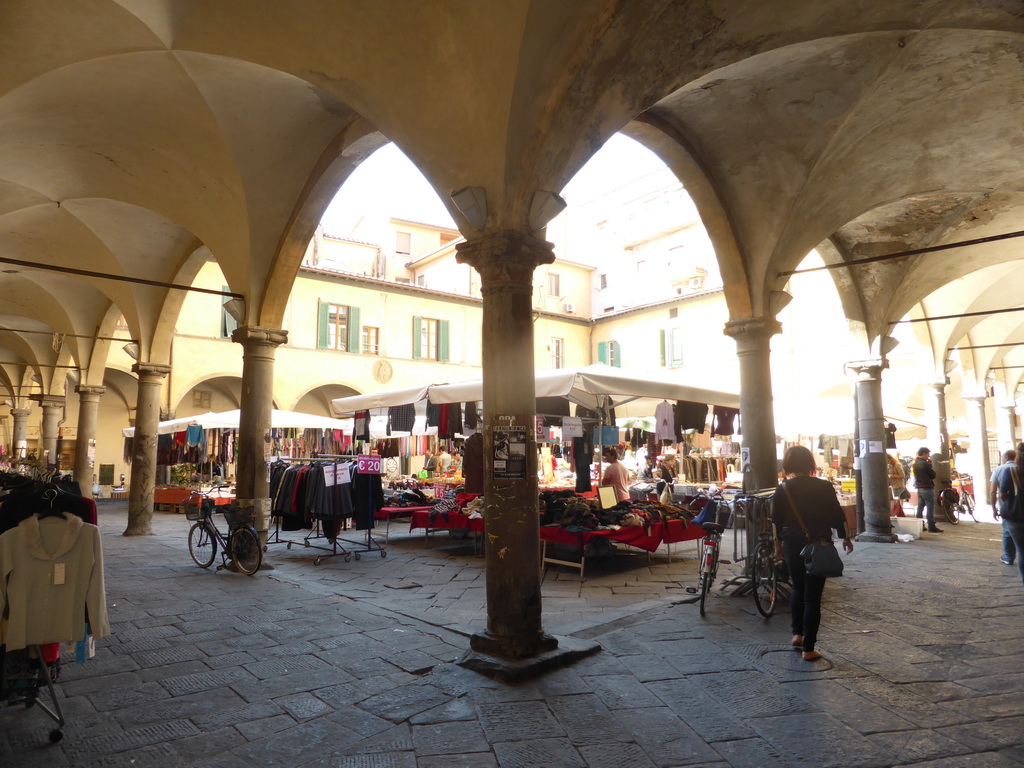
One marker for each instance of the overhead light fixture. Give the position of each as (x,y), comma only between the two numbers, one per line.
(235,308)
(887,344)
(472,203)
(543,208)
(132,350)
(949,366)
(778,301)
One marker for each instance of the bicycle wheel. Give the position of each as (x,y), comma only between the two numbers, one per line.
(950,510)
(202,544)
(705,587)
(246,551)
(766,580)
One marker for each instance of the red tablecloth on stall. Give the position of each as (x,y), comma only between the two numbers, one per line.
(447,521)
(393,513)
(648,538)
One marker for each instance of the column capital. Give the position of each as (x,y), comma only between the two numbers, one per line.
(48,401)
(868,369)
(505,257)
(150,372)
(257,334)
(937,385)
(975,397)
(752,329)
(86,392)
(20,413)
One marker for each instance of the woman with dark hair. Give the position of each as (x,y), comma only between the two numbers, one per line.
(805,503)
(1009,487)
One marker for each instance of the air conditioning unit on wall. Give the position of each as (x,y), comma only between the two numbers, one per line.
(570,308)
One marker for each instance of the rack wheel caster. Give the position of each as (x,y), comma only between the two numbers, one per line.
(289,545)
(383,553)
(317,561)
(56,735)
(347,558)
(358,556)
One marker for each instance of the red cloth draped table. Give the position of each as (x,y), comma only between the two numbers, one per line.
(445,521)
(395,513)
(647,538)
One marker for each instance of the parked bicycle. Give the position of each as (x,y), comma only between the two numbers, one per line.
(947,502)
(965,505)
(767,569)
(710,547)
(242,543)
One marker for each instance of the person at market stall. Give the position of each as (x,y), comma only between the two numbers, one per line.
(801,502)
(897,480)
(616,475)
(1009,548)
(1009,486)
(647,471)
(667,473)
(444,460)
(429,462)
(924,482)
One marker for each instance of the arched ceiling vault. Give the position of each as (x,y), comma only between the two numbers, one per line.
(137,134)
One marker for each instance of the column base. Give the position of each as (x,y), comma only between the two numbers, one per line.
(486,658)
(878,538)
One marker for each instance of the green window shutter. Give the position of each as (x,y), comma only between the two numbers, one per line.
(602,352)
(661,335)
(417,335)
(354,335)
(615,354)
(323,339)
(442,341)
(677,347)
(227,322)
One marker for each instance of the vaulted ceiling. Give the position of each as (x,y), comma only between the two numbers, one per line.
(139,138)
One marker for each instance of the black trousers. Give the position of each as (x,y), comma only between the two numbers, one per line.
(805,598)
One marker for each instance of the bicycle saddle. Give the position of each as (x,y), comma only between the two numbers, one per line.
(712,527)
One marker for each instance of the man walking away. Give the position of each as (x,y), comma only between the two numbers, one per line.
(924,480)
(1009,550)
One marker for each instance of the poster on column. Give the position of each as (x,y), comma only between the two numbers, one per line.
(543,433)
(510,448)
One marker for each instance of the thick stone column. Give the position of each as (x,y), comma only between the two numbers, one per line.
(938,432)
(506,262)
(874,470)
(757,414)
(1006,426)
(85,443)
(252,482)
(53,409)
(977,432)
(143,477)
(19,431)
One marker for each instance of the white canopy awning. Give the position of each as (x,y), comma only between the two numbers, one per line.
(230,420)
(631,393)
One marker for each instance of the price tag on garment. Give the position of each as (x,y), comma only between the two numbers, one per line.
(343,474)
(58,574)
(368,464)
(330,477)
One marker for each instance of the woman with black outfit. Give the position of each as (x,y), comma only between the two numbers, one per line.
(817,511)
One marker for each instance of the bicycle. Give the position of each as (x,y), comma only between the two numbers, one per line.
(765,569)
(710,558)
(947,501)
(965,505)
(242,543)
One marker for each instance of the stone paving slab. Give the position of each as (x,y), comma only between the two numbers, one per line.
(331,665)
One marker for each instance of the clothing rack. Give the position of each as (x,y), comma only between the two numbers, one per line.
(337,544)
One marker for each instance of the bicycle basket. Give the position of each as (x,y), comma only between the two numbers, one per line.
(237,516)
(193,509)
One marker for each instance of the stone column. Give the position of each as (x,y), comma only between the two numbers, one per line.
(757,414)
(19,431)
(1006,426)
(252,482)
(143,473)
(85,444)
(506,262)
(53,409)
(977,432)
(874,469)
(938,432)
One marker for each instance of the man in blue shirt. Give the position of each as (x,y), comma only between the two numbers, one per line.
(1009,550)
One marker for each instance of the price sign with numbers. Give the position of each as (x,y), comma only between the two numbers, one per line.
(368,465)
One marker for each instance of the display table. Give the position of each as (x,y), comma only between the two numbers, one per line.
(450,521)
(647,538)
(172,498)
(395,513)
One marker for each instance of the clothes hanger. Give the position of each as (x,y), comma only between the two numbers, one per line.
(50,494)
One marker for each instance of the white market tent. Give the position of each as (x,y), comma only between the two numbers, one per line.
(593,386)
(230,420)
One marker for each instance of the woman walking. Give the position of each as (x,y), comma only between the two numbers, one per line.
(806,506)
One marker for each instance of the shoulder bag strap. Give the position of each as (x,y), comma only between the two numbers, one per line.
(796,512)
(1016,482)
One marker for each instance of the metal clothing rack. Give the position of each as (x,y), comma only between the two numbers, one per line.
(28,697)
(336,547)
(370,545)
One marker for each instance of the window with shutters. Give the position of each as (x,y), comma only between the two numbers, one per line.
(403,242)
(338,327)
(610,353)
(556,347)
(430,339)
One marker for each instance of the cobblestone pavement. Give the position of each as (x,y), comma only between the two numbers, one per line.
(350,665)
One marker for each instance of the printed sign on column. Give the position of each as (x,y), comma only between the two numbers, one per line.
(543,433)
(509,448)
